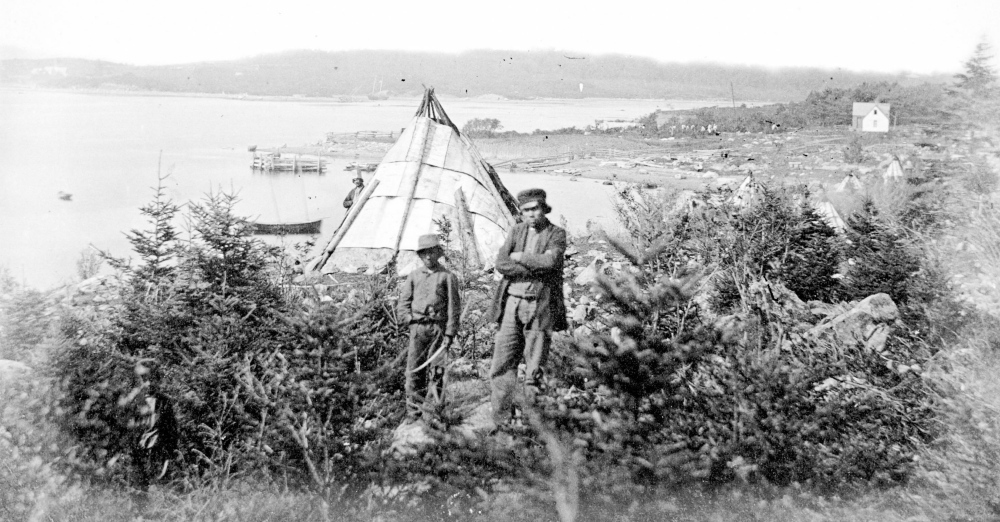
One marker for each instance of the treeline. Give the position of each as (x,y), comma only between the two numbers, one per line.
(506,73)
(924,103)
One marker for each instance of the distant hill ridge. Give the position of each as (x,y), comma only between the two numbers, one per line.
(520,74)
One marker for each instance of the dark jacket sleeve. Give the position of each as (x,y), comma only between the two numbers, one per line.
(454,306)
(552,258)
(504,264)
(404,308)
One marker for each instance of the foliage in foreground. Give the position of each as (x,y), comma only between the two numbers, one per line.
(684,398)
(210,365)
(211,370)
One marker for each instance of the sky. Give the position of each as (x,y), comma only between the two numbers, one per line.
(874,35)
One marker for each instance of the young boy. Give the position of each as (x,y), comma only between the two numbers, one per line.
(429,304)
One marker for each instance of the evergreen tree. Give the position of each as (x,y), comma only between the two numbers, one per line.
(881,262)
(979,75)
(813,258)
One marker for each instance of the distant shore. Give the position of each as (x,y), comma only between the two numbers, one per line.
(349,99)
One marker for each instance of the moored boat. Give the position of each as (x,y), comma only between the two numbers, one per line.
(263,229)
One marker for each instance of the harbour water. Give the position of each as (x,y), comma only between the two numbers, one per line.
(105,151)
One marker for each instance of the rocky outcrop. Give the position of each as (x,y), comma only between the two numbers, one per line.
(869,322)
(409,437)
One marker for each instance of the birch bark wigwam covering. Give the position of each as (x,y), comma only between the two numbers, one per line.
(431,172)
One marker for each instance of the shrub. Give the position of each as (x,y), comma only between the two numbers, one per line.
(24,321)
(854,152)
(698,404)
(879,259)
(773,238)
(662,396)
(88,264)
(481,127)
(206,367)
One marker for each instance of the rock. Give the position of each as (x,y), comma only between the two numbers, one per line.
(589,275)
(827,311)
(9,370)
(584,333)
(579,313)
(597,254)
(868,322)
(409,437)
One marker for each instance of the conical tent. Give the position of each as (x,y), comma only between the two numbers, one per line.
(748,192)
(432,173)
(894,172)
(829,214)
(850,182)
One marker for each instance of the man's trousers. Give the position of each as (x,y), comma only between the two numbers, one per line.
(518,338)
(427,383)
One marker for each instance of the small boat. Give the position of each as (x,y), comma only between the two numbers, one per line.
(379,94)
(65,196)
(365,167)
(264,229)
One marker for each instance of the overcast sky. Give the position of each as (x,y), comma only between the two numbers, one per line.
(874,35)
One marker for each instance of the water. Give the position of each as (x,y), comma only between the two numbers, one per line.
(106,150)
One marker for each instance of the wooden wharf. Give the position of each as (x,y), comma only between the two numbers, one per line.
(275,161)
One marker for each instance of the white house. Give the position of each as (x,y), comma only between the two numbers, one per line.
(871,117)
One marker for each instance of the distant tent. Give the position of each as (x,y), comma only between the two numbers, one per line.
(431,172)
(894,172)
(748,193)
(829,214)
(850,182)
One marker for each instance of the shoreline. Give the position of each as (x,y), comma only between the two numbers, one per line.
(359,99)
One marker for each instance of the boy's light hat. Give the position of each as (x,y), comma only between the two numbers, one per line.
(427,241)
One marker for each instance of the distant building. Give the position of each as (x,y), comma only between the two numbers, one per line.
(605,125)
(870,117)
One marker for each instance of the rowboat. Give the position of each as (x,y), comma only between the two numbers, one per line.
(263,229)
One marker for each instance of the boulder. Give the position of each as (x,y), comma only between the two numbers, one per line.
(589,274)
(869,322)
(409,437)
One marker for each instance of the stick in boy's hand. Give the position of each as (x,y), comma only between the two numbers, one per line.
(429,304)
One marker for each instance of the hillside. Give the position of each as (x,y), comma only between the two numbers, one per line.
(511,74)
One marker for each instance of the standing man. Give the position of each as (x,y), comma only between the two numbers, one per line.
(529,302)
(429,304)
(359,186)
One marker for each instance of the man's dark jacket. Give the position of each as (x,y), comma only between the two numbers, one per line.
(545,265)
